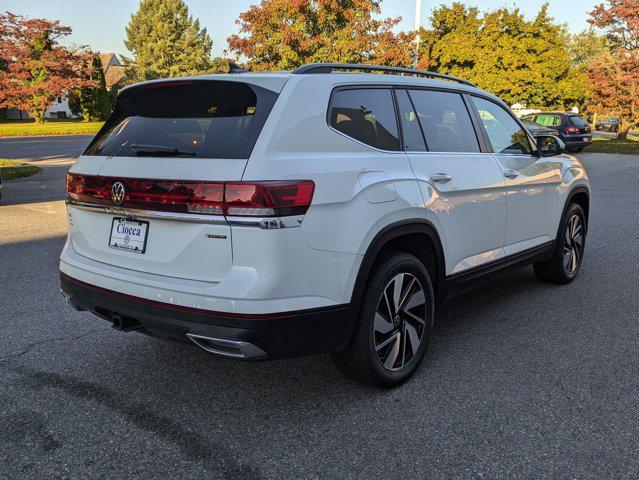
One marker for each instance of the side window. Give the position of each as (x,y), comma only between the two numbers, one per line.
(504,133)
(367,115)
(547,120)
(413,138)
(445,121)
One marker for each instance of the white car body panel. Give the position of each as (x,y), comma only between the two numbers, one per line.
(480,217)
(471,207)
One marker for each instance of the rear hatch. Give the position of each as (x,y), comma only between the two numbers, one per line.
(154,206)
(580,125)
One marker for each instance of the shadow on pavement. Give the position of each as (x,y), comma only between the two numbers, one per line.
(48,186)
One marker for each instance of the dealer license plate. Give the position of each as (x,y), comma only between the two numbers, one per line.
(130,235)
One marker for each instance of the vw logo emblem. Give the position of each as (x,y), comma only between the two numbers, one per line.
(118,193)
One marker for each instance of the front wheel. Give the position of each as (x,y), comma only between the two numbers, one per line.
(394,323)
(566,260)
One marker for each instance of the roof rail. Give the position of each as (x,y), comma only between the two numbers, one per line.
(331,67)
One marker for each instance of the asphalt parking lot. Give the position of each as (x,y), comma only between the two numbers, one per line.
(523,379)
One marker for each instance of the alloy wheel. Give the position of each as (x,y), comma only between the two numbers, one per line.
(573,246)
(400,321)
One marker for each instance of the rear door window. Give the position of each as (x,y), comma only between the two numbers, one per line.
(548,120)
(210,119)
(445,121)
(366,115)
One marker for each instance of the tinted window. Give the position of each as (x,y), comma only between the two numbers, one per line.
(578,121)
(183,118)
(367,115)
(445,121)
(505,134)
(413,138)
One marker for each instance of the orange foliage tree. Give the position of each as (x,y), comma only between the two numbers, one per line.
(284,34)
(34,69)
(614,74)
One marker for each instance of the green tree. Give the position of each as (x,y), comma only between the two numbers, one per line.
(520,60)
(94,99)
(166,41)
(284,34)
(583,48)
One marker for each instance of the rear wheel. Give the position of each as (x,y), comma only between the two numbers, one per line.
(565,263)
(394,323)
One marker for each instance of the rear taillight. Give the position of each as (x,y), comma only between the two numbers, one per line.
(264,199)
(572,130)
(267,199)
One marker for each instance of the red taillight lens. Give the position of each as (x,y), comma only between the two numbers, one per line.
(86,188)
(161,195)
(572,130)
(174,196)
(266,199)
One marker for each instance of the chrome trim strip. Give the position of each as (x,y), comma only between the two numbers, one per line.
(136,213)
(266,223)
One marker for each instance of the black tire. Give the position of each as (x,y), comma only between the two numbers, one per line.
(562,267)
(401,324)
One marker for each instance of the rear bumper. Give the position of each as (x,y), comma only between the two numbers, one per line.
(577,141)
(247,336)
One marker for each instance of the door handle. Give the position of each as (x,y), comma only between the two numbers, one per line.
(511,173)
(441,177)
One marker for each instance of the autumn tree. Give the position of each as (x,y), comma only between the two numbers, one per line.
(520,60)
(284,34)
(36,69)
(166,41)
(614,74)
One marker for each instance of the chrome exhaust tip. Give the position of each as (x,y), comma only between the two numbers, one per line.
(226,348)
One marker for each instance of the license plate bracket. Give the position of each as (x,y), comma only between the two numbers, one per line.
(129,235)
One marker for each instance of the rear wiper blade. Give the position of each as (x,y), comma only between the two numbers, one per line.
(158,150)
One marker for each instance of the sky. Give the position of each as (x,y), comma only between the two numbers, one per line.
(100,24)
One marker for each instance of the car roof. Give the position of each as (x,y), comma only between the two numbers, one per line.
(568,114)
(276,80)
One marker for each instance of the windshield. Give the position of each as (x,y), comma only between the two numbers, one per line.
(210,119)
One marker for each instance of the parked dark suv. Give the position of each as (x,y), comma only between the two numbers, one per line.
(610,124)
(571,128)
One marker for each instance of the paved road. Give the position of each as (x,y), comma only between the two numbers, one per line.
(523,380)
(44,149)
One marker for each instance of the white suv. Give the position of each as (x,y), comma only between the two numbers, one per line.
(325,210)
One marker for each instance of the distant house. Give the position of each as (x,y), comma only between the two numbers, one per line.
(113,69)
(59,109)
(113,74)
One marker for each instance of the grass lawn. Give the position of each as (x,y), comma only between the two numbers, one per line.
(50,127)
(11,169)
(601,145)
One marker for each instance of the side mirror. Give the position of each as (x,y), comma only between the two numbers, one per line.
(550,145)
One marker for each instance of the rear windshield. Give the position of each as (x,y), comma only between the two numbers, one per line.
(209,119)
(578,121)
